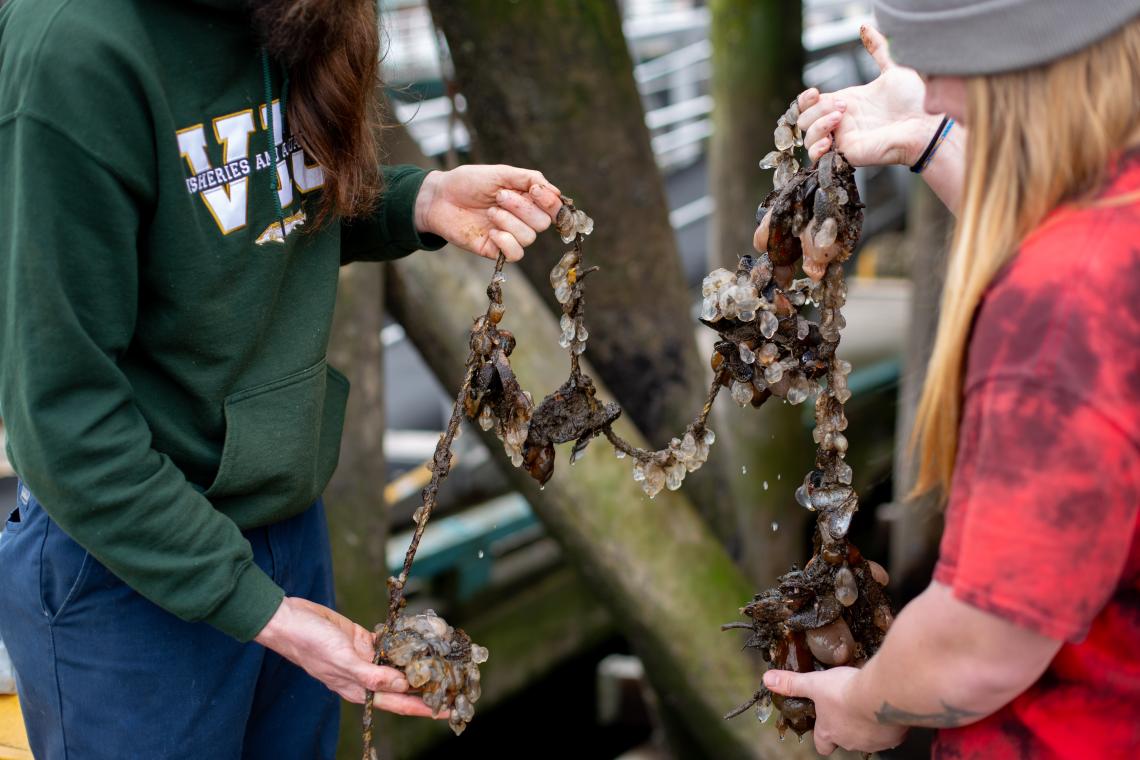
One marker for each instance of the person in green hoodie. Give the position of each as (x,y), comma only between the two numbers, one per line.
(180,182)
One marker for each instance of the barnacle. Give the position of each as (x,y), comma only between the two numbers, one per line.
(440,662)
(833,611)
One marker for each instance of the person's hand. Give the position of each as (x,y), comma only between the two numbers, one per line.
(883,122)
(487,209)
(840,721)
(338,653)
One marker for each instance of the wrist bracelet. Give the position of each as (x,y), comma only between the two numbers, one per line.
(935,143)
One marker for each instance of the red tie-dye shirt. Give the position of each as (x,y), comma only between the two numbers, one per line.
(1042,521)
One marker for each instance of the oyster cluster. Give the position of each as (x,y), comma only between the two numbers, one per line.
(788,137)
(494,397)
(572,222)
(567,275)
(767,347)
(566,278)
(810,216)
(571,413)
(833,611)
(440,662)
(668,467)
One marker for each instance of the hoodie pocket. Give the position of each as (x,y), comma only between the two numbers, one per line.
(282,444)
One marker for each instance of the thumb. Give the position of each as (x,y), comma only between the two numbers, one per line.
(523,179)
(876,45)
(378,678)
(789,684)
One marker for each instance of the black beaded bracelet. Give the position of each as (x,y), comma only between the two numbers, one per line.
(935,142)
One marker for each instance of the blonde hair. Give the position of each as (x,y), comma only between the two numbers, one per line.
(1038,138)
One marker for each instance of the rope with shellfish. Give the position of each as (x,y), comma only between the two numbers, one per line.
(767,348)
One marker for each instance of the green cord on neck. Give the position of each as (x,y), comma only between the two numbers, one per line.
(265,72)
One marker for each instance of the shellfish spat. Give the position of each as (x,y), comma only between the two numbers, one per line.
(440,662)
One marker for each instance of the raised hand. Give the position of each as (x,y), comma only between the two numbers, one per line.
(883,122)
(487,209)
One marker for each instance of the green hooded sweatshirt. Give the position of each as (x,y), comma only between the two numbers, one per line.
(162,345)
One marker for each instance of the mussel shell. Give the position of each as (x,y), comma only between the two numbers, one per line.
(833,643)
(798,713)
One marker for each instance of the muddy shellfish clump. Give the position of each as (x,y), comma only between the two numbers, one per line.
(833,611)
(440,662)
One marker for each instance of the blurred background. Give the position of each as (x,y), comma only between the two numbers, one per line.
(602,609)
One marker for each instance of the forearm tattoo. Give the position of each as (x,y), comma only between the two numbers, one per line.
(950,717)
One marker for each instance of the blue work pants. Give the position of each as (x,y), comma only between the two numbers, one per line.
(104,673)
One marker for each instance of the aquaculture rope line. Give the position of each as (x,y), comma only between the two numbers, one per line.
(830,613)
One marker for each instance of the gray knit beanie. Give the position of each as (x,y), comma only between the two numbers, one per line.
(963,37)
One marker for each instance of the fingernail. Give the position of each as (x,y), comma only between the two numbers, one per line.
(841,104)
(536,189)
(770,679)
(502,195)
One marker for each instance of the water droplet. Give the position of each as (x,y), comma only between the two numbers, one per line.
(480,554)
(778,476)
(765,485)
(743,469)
(775,526)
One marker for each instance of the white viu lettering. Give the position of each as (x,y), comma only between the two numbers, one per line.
(284,183)
(226,203)
(308,178)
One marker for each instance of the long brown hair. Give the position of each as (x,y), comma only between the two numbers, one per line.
(331,49)
(1039,138)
